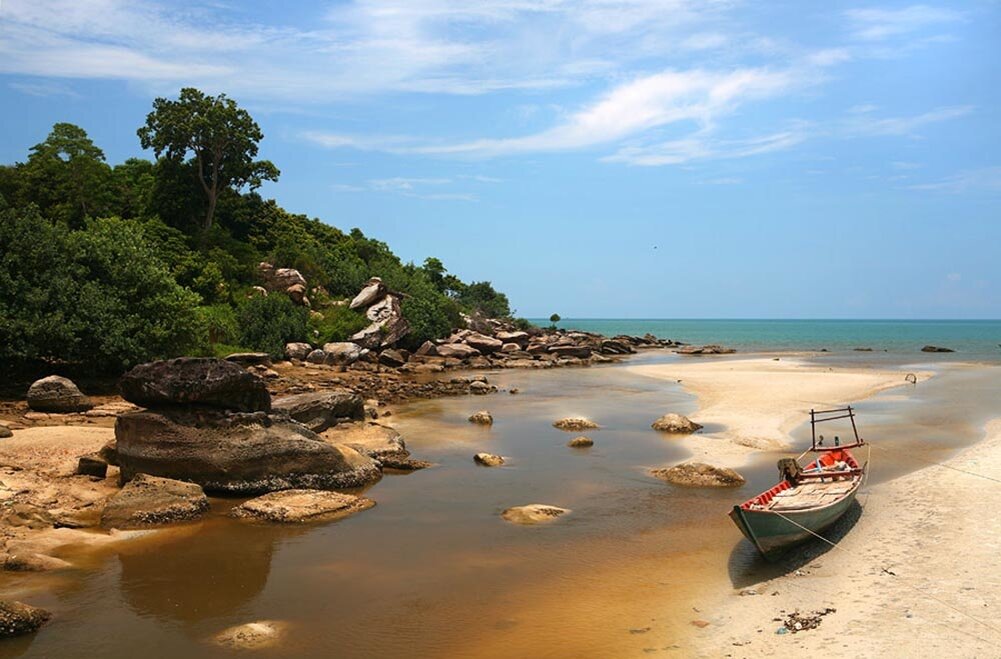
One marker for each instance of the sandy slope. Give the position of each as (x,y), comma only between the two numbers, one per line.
(935,529)
(760,400)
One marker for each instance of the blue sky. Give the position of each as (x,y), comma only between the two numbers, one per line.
(600,158)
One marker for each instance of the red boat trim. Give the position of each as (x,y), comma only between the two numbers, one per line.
(826,459)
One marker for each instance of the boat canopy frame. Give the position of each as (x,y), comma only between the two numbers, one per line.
(822,416)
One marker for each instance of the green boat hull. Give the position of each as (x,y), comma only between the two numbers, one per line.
(772,533)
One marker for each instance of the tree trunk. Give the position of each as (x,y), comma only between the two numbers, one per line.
(210,211)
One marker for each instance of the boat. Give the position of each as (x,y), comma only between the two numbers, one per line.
(809,498)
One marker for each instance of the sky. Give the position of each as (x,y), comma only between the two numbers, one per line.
(598,158)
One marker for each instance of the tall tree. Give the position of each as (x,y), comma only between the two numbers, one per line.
(66,176)
(217,136)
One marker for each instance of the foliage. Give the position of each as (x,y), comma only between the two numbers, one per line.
(268,323)
(219,323)
(335,323)
(219,137)
(555,318)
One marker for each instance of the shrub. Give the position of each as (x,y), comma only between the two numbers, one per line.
(268,323)
(336,324)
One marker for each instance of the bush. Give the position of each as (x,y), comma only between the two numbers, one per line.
(268,323)
(337,324)
(220,323)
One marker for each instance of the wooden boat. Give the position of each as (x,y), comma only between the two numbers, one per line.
(808,499)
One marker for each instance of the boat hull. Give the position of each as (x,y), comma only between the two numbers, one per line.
(772,533)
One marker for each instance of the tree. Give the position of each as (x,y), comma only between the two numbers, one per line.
(215,135)
(555,318)
(66,176)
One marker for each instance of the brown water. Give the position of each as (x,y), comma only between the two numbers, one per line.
(433,571)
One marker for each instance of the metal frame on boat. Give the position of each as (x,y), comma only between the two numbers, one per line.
(808,499)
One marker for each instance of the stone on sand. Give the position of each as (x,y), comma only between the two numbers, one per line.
(675,423)
(57,394)
(298,506)
(699,474)
(535,513)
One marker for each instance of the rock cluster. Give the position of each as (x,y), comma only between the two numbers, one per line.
(382,308)
(57,394)
(699,474)
(210,422)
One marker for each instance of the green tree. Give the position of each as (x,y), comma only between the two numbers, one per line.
(555,318)
(212,133)
(268,323)
(66,176)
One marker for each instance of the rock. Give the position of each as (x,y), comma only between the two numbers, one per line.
(582,352)
(388,324)
(257,291)
(675,423)
(33,562)
(5,432)
(297,506)
(481,388)
(316,357)
(92,465)
(514,390)
(705,350)
(488,459)
(234,452)
(151,501)
(535,513)
(109,452)
(427,349)
(373,291)
(252,636)
(250,358)
(936,349)
(457,351)
(57,394)
(322,409)
(575,424)
(375,440)
(297,350)
(28,515)
(482,418)
(391,358)
(580,442)
(510,347)
(297,292)
(484,344)
(17,619)
(698,474)
(195,380)
(518,338)
(342,353)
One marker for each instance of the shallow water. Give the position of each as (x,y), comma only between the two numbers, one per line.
(433,571)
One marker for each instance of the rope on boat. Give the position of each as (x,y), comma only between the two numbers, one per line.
(901,580)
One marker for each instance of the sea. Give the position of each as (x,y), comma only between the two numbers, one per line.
(972,340)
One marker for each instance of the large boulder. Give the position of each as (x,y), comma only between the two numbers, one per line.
(520,338)
(57,394)
(387,327)
(297,350)
(195,381)
(457,350)
(152,501)
(235,452)
(392,358)
(17,619)
(375,440)
(373,291)
(675,423)
(699,474)
(298,506)
(322,409)
(535,513)
(342,353)
(485,344)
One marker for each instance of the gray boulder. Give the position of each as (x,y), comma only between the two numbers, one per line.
(195,380)
(235,452)
(392,358)
(316,356)
(57,394)
(342,353)
(297,350)
(485,344)
(457,351)
(322,409)
(373,291)
(152,501)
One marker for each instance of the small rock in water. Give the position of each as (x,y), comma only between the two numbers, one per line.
(296,506)
(251,636)
(488,459)
(580,442)
(483,418)
(151,500)
(698,474)
(17,618)
(575,424)
(675,423)
(533,513)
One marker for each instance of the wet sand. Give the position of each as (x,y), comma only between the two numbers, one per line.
(432,570)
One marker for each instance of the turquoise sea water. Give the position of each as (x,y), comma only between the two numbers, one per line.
(971,339)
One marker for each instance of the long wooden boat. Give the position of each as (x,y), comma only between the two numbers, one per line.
(808,499)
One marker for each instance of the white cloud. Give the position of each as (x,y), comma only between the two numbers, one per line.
(877,24)
(43,89)
(986,179)
(869,125)
(410,187)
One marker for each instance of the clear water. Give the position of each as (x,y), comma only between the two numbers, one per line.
(971,339)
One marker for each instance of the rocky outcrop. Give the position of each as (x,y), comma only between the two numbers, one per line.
(17,619)
(58,395)
(488,459)
(535,513)
(675,423)
(373,291)
(323,409)
(383,310)
(581,442)
(287,280)
(936,349)
(235,452)
(195,381)
(152,501)
(482,418)
(712,349)
(299,506)
(575,424)
(699,474)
